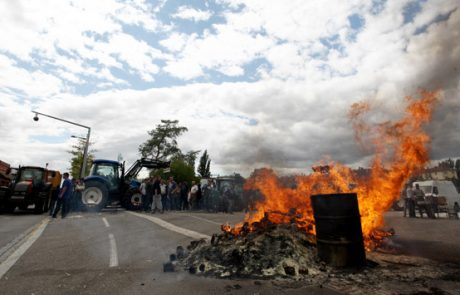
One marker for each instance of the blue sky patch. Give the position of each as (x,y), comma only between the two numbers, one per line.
(439,18)
(411,10)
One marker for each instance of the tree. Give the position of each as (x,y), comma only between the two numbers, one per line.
(162,143)
(76,161)
(204,168)
(182,171)
(181,168)
(190,158)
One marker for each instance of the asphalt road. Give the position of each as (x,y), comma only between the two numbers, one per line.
(116,252)
(12,225)
(436,239)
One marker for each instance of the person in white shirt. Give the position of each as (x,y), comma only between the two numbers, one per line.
(192,197)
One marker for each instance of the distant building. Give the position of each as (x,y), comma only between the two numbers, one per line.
(439,173)
(4,166)
(4,177)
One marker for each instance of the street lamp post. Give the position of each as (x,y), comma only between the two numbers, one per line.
(85,153)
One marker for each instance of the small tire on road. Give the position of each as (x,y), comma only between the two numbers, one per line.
(94,197)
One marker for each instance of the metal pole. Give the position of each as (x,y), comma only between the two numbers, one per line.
(85,153)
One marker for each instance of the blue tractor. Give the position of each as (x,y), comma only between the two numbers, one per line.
(109,183)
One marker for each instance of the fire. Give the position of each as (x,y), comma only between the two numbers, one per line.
(400,148)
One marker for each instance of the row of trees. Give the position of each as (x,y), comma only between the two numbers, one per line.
(161,145)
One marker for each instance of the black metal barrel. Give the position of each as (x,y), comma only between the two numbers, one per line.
(338,230)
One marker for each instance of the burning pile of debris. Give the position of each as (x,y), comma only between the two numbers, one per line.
(267,250)
(286,253)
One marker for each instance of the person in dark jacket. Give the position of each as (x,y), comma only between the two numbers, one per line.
(183,205)
(63,197)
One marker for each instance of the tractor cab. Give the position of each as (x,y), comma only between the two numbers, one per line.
(108,170)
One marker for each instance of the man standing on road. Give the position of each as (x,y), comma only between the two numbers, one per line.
(172,193)
(409,204)
(156,203)
(64,193)
(148,194)
(183,204)
(192,200)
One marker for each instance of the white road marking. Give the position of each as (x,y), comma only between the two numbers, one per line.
(113,252)
(32,237)
(105,222)
(204,219)
(172,227)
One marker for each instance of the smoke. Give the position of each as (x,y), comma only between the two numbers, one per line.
(302,131)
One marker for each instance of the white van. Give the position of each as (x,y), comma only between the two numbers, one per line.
(441,188)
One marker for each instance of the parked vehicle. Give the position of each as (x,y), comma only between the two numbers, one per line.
(108,183)
(32,186)
(441,189)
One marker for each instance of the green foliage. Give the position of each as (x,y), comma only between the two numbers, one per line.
(190,158)
(77,158)
(204,167)
(183,166)
(162,143)
(182,171)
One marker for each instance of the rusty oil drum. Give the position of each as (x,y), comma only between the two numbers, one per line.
(338,230)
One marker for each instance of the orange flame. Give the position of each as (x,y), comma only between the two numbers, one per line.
(400,149)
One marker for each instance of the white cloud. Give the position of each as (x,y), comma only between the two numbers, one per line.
(177,41)
(218,52)
(300,101)
(38,84)
(35,31)
(189,13)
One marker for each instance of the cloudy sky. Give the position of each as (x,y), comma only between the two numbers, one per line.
(257,82)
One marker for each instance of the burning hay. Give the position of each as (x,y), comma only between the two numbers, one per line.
(269,250)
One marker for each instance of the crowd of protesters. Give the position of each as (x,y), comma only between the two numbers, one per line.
(158,196)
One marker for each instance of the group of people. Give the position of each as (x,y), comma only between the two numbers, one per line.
(66,198)
(159,195)
(415,198)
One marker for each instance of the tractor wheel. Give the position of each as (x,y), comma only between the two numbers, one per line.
(94,197)
(133,201)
